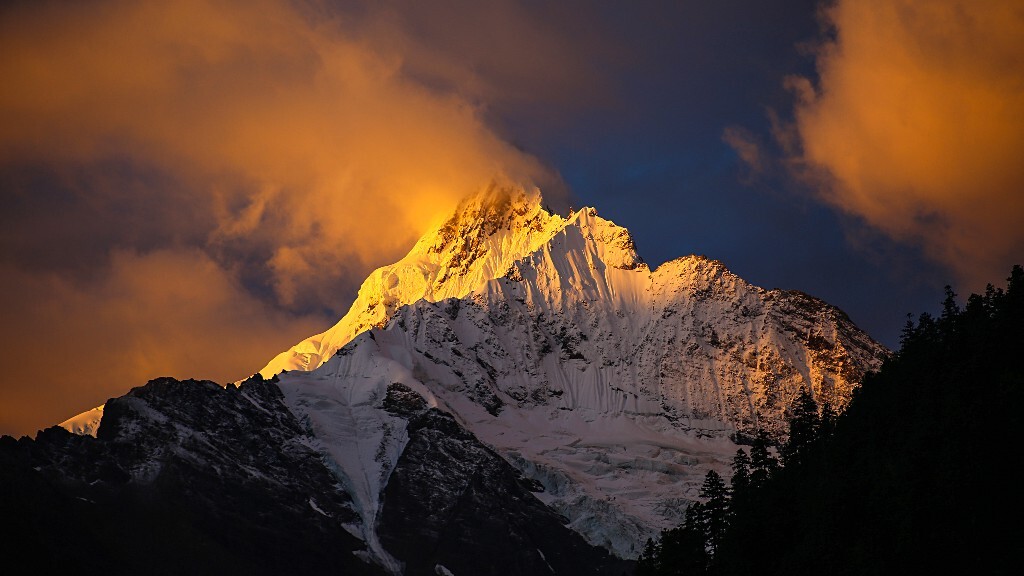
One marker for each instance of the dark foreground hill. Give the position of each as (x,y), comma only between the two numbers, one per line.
(187,477)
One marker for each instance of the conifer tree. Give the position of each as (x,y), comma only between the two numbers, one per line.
(804,424)
(715,508)
(762,463)
(740,475)
(648,563)
(683,550)
(950,311)
(909,329)
(827,425)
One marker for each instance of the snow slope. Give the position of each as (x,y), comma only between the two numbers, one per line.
(85,423)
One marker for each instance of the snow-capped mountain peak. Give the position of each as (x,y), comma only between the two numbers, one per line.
(612,386)
(481,241)
(609,387)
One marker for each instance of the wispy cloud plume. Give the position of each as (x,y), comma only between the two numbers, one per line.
(746,146)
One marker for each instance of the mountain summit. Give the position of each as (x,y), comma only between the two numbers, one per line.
(530,349)
(476,244)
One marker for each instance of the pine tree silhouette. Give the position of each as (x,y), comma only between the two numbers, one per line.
(762,463)
(715,508)
(804,425)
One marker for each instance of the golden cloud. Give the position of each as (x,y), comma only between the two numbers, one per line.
(917,123)
(266,116)
(185,180)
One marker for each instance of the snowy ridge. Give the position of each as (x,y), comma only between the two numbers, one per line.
(364,441)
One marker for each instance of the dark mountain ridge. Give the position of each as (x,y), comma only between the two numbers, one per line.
(188,477)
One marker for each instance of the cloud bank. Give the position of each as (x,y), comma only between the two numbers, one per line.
(192,186)
(916,126)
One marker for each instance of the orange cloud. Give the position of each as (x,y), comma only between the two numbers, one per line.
(185,181)
(917,123)
(271,118)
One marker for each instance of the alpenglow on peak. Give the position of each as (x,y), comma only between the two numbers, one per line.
(487,233)
(613,387)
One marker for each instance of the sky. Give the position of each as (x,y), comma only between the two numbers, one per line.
(192,187)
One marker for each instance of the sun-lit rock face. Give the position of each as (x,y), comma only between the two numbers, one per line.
(613,387)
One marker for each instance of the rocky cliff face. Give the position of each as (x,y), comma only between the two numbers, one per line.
(183,477)
(451,501)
